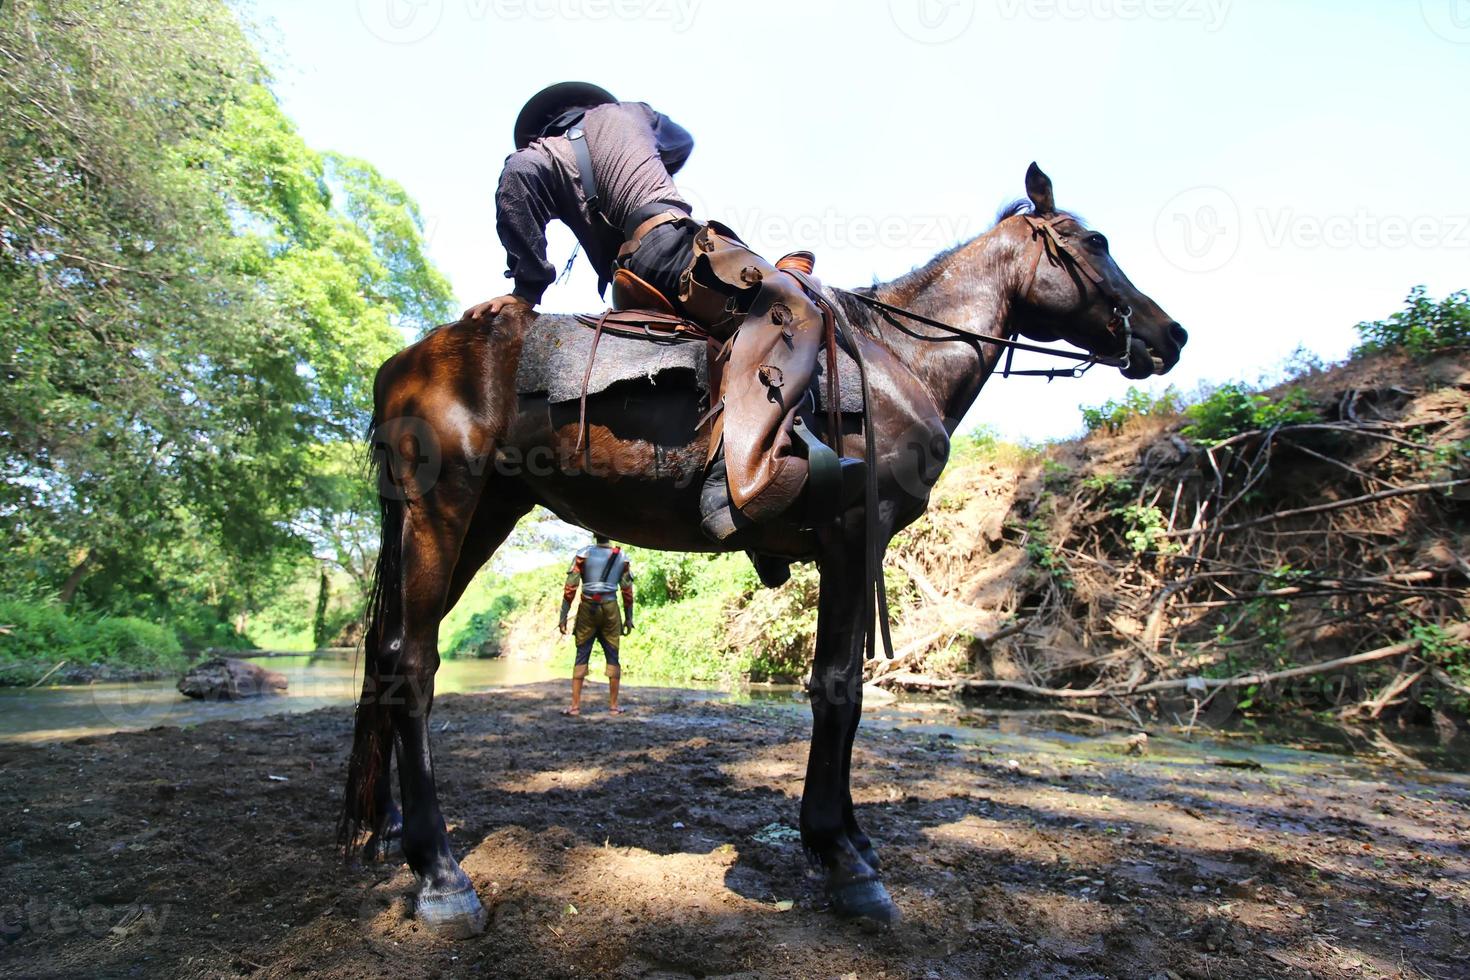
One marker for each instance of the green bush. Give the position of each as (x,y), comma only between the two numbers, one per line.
(1421,327)
(1144,528)
(37,632)
(1443,651)
(129,641)
(665,576)
(37,635)
(474,626)
(1232,409)
(1112,414)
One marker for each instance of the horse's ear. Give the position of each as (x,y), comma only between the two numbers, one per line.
(1038,189)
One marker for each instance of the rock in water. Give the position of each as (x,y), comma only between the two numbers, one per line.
(228,679)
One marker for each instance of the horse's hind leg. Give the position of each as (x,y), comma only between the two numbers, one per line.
(386,843)
(836,695)
(434,527)
(495,516)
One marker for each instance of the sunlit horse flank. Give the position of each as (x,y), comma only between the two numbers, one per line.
(447,419)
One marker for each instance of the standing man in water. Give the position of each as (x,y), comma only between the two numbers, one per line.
(602,571)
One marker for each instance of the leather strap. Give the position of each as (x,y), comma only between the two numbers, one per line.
(636,238)
(586,380)
(645,325)
(578,138)
(875,590)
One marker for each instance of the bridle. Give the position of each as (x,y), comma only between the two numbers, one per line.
(1060,249)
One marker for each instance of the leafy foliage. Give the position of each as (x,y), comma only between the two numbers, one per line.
(1043,553)
(1144,528)
(1421,327)
(192,305)
(1113,414)
(36,635)
(1233,408)
(1442,650)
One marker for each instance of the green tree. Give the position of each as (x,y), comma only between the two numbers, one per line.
(192,305)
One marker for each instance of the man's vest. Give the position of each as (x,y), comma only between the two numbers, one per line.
(602,569)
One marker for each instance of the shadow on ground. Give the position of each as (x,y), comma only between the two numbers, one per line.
(661,844)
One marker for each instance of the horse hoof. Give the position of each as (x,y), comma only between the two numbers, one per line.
(865,900)
(455,915)
(870,858)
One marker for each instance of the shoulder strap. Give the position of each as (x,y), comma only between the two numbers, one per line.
(578,137)
(613,562)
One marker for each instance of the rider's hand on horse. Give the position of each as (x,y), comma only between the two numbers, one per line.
(492,307)
(627,626)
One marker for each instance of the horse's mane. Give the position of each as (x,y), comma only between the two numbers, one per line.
(921,274)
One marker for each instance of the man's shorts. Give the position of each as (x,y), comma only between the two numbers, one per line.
(599,621)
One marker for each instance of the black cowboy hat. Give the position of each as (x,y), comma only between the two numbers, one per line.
(552,101)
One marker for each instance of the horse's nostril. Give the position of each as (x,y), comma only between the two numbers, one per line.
(1178,334)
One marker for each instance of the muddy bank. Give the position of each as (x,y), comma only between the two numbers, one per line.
(661,844)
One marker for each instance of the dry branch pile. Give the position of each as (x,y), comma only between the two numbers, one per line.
(1324,562)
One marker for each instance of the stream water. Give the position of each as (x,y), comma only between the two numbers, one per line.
(69,711)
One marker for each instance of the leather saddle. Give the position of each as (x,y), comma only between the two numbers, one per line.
(630,292)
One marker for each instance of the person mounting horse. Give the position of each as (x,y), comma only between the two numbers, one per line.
(475,424)
(605,169)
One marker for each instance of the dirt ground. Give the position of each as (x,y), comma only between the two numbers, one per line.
(660,844)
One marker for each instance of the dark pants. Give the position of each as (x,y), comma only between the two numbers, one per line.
(663,255)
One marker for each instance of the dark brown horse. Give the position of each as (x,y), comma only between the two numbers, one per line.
(462,458)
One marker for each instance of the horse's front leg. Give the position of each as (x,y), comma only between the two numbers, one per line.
(835,690)
(855,833)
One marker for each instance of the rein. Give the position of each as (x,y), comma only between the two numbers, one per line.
(1059,249)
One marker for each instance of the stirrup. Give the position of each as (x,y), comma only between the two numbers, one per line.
(824,476)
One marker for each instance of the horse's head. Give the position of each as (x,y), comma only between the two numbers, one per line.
(1070,288)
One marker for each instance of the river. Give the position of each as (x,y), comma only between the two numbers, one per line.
(319,681)
(68,711)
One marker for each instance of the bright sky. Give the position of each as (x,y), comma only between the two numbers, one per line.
(1271,172)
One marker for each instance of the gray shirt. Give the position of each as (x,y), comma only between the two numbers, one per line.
(633,149)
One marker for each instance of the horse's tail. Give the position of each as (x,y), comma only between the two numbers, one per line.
(371,736)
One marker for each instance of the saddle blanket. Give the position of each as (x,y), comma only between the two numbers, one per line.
(554,359)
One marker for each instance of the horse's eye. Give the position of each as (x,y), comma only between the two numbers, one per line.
(1097,242)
